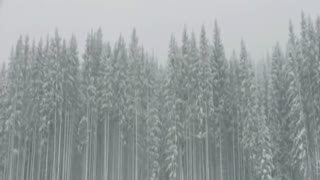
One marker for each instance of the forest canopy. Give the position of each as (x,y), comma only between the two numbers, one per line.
(112,112)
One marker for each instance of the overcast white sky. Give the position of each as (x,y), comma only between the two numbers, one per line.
(259,22)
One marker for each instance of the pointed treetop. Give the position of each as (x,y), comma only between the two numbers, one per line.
(33,49)
(291,41)
(98,39)
(303,25)
(185,41)
(193,48)
(121,40)
(204,47)
(291,31)
(310,27)
(277,46)
(173,50)
(218,49)
(173,43)
(120,44)
(216,31)
(3,70)
(40,47)
(277,53)
(106,50)
(243,51)
(203,32)
(134,44)
(19,44)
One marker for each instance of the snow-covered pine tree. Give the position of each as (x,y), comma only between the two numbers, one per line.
(120,93)
(233,106)
(92,75)
(248,112)
(203,99)
(194,78)
(171,105)
(17,121)
(219,109)
(309,87)
(36,96)
(3,118)
(136,93)
(297,118)
(71,100)
(279,112)
(106,106)
(154,124)
(264,153)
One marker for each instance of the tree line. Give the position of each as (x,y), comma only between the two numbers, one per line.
(115,113)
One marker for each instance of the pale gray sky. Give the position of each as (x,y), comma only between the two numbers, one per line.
(259,22)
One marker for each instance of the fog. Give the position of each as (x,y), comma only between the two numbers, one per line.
(260,23)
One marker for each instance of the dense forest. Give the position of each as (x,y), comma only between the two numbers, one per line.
(113,113)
